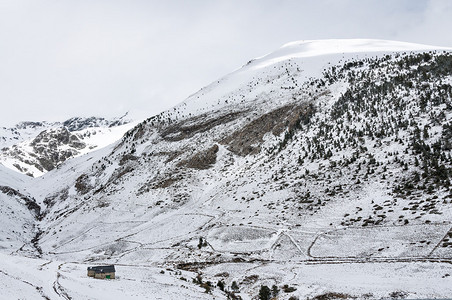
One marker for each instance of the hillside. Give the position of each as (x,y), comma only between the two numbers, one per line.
(323,168)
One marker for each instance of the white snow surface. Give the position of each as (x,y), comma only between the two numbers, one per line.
(311,48)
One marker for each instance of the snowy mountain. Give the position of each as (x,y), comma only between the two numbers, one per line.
(322,169)
(34,148)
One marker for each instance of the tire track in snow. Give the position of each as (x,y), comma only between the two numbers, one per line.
(439,243)
(58,288)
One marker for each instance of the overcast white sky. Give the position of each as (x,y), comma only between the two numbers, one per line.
(61,58)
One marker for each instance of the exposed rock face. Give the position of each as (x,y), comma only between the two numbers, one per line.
(126,158)
(55,138)
(82,184)
(29,124)
(77,123)
(48,146)
(192,126)
(248,140)
(203,160)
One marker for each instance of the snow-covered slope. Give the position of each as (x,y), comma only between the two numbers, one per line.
(267,76)
(311,48)
(323,168)
(19,212)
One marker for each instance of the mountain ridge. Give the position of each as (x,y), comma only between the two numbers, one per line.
(34,148)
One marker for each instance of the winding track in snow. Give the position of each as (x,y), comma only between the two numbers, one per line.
(39,289)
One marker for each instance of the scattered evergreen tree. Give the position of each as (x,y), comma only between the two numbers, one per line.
(275,290)
(264,293)
(235,286)
(220,285)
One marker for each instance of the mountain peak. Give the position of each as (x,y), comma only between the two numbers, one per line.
(331,46)
(302,59)
(314,48)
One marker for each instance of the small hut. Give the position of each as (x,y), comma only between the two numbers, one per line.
(102,272)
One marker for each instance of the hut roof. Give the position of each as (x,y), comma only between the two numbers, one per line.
(102,269)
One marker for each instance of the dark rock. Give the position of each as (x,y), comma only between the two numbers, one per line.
(202,160)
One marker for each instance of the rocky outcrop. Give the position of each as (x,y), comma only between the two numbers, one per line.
(203,159)
(82,184)
(189,127)
(77,124)
(48,146)
(248,140)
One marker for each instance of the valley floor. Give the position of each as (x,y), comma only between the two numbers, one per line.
(27,278)
(305,262)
